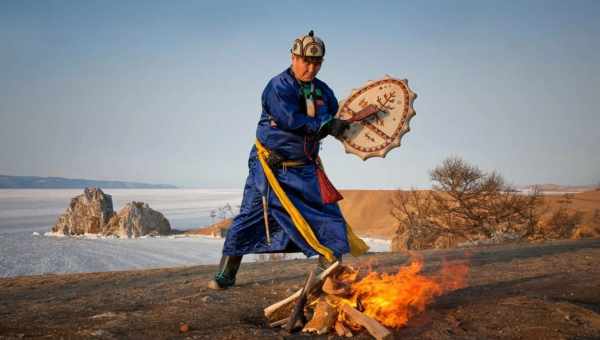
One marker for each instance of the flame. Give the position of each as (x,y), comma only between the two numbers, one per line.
(392,299)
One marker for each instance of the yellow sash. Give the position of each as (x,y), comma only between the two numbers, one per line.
(357,246)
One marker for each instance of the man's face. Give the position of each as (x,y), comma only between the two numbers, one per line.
(305,69)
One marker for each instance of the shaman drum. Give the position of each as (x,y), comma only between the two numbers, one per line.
(377,134)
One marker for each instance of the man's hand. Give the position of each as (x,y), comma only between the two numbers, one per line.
(338,127)
(334,127)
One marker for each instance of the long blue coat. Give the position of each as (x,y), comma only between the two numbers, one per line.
(285,128)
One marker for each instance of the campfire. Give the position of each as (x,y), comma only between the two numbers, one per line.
(346,300)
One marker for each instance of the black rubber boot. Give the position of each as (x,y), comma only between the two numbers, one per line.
(225,277)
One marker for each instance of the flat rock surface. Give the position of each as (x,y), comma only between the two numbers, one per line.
(544,291)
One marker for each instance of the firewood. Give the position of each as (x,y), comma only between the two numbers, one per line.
(297,315)
(342,330)
(274,307)
(332,286)
(279,323)
(374,327)
(323,318)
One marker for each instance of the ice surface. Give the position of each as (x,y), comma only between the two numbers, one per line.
(25,212)
(38,209)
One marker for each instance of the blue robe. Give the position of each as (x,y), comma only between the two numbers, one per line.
(285,128)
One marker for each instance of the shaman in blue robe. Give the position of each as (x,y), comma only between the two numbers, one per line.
(285,128)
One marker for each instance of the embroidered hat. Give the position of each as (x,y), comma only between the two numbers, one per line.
(309,46)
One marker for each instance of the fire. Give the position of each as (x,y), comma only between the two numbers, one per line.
(392,299)
(346,300)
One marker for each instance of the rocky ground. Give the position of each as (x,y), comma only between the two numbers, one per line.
(547,291)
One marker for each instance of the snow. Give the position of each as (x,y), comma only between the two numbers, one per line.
(24,254)
(23,251)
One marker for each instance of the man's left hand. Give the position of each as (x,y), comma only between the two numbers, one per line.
(338,127)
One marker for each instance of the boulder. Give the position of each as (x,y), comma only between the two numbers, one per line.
(137,219)
(87,213)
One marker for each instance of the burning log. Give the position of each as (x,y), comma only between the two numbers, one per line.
(332,286)
(374,327)
(269,311)
(342,330)
(323,318)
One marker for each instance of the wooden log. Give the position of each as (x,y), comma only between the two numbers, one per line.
(342,330)
(375,328)
(323,318)
(298,311)
(274,307)
(332,286)
(279,323)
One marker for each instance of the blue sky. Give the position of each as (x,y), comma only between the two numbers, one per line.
(169,92)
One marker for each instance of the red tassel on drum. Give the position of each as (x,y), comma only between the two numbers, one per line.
(329,193)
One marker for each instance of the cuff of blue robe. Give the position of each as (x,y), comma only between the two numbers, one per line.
(324,128)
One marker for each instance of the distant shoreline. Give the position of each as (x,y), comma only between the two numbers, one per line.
(35,182)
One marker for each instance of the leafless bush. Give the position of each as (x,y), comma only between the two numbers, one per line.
(416,214)
(465,203)
(562,223)
(596,220)
(224,212)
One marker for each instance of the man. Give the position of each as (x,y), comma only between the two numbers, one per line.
(289,205)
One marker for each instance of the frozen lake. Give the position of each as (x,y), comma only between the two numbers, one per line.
(25,211)
(38,209)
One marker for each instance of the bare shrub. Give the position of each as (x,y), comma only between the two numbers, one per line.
(416,216)
(596,216)
(224,212)
(563,223)
(465,203)
(596,220)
